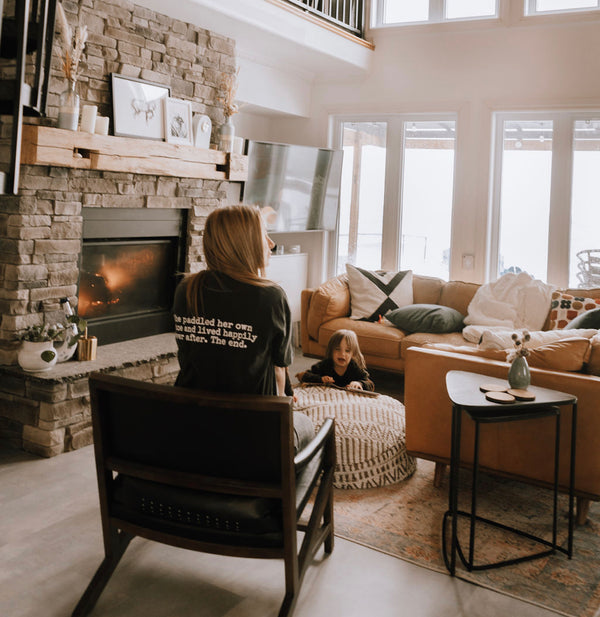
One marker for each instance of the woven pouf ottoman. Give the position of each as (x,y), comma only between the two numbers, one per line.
(369,435)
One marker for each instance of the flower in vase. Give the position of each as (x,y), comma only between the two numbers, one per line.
(520,349)
(228,85)
(72,44)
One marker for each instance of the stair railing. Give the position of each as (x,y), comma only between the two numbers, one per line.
(347,14)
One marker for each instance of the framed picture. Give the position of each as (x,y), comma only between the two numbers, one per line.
(178,121)
(138,107)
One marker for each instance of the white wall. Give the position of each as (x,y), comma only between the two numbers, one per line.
(472,70)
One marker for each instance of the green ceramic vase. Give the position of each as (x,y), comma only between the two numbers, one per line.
(518,373)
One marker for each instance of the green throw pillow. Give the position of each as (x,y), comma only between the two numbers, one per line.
(426,318)
(589,319)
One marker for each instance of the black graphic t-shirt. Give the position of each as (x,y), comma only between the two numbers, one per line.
(242,333)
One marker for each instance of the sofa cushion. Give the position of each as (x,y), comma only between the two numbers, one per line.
(376,293)
(330,300)
(593,364)
(427,289)
(470,350)
(458,295)
(374,339)
(418,339)
(563,355)
(588,319)
(566,307)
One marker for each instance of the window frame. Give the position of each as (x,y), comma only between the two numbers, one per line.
(561,188)
(530,9)
(394,176)
(437,10)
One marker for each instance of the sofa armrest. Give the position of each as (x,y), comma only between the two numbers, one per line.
(305,298)
(593,364)
(517,450)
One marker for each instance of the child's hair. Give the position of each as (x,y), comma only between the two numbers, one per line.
(349,337)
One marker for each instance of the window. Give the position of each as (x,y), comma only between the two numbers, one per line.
(585,213)
(537,7)
(468,9)
(525,197)
(396,195)
(396,12)
(545,214)
(405,12)
(427,188)
(361,196)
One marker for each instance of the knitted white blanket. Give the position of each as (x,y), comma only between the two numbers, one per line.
(513,301)
(500,338)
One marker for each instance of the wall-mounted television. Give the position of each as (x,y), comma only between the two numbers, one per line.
(296,187)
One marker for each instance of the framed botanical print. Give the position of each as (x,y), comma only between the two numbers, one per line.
(138,109)
(178,121)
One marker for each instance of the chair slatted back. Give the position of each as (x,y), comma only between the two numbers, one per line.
(192,432)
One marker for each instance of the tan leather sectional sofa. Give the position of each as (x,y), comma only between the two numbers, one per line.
(518,450)
(327,308)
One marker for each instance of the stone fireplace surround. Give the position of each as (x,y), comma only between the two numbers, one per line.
(48,413)
(41,227)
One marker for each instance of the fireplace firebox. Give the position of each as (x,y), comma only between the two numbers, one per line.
(129,268)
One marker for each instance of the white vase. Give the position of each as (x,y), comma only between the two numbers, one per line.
(68,108)
(37,356)
(226,136)
(66,349)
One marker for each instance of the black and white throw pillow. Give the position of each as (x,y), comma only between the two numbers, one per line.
(375,293)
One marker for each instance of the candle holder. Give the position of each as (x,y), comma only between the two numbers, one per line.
(86,348)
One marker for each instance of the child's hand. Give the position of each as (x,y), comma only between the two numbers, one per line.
(327,379)
(356,385)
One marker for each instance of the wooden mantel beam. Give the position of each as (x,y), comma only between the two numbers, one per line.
(44,145)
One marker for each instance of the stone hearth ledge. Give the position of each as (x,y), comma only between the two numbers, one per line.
(112,357)
(48,413)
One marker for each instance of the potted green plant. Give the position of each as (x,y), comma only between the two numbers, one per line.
(71,334)
(37,351)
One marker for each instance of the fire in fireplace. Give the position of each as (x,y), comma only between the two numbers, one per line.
(129,264)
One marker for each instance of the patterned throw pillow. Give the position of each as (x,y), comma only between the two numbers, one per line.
(565,308)
(376,293)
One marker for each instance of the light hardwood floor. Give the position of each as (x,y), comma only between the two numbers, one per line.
(51,544)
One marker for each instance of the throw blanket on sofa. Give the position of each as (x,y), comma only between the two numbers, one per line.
(500,338)
(513,301)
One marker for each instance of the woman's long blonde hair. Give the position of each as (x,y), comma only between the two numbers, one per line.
(233,242)
(348,336)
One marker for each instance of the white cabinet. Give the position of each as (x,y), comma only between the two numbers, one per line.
(291,272)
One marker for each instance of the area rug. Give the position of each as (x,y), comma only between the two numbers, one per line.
(405,520)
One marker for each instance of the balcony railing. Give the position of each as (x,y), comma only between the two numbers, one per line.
(347,14)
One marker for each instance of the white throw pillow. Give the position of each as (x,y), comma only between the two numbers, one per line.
(376,293)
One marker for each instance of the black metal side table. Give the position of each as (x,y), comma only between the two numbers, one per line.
(464,392)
